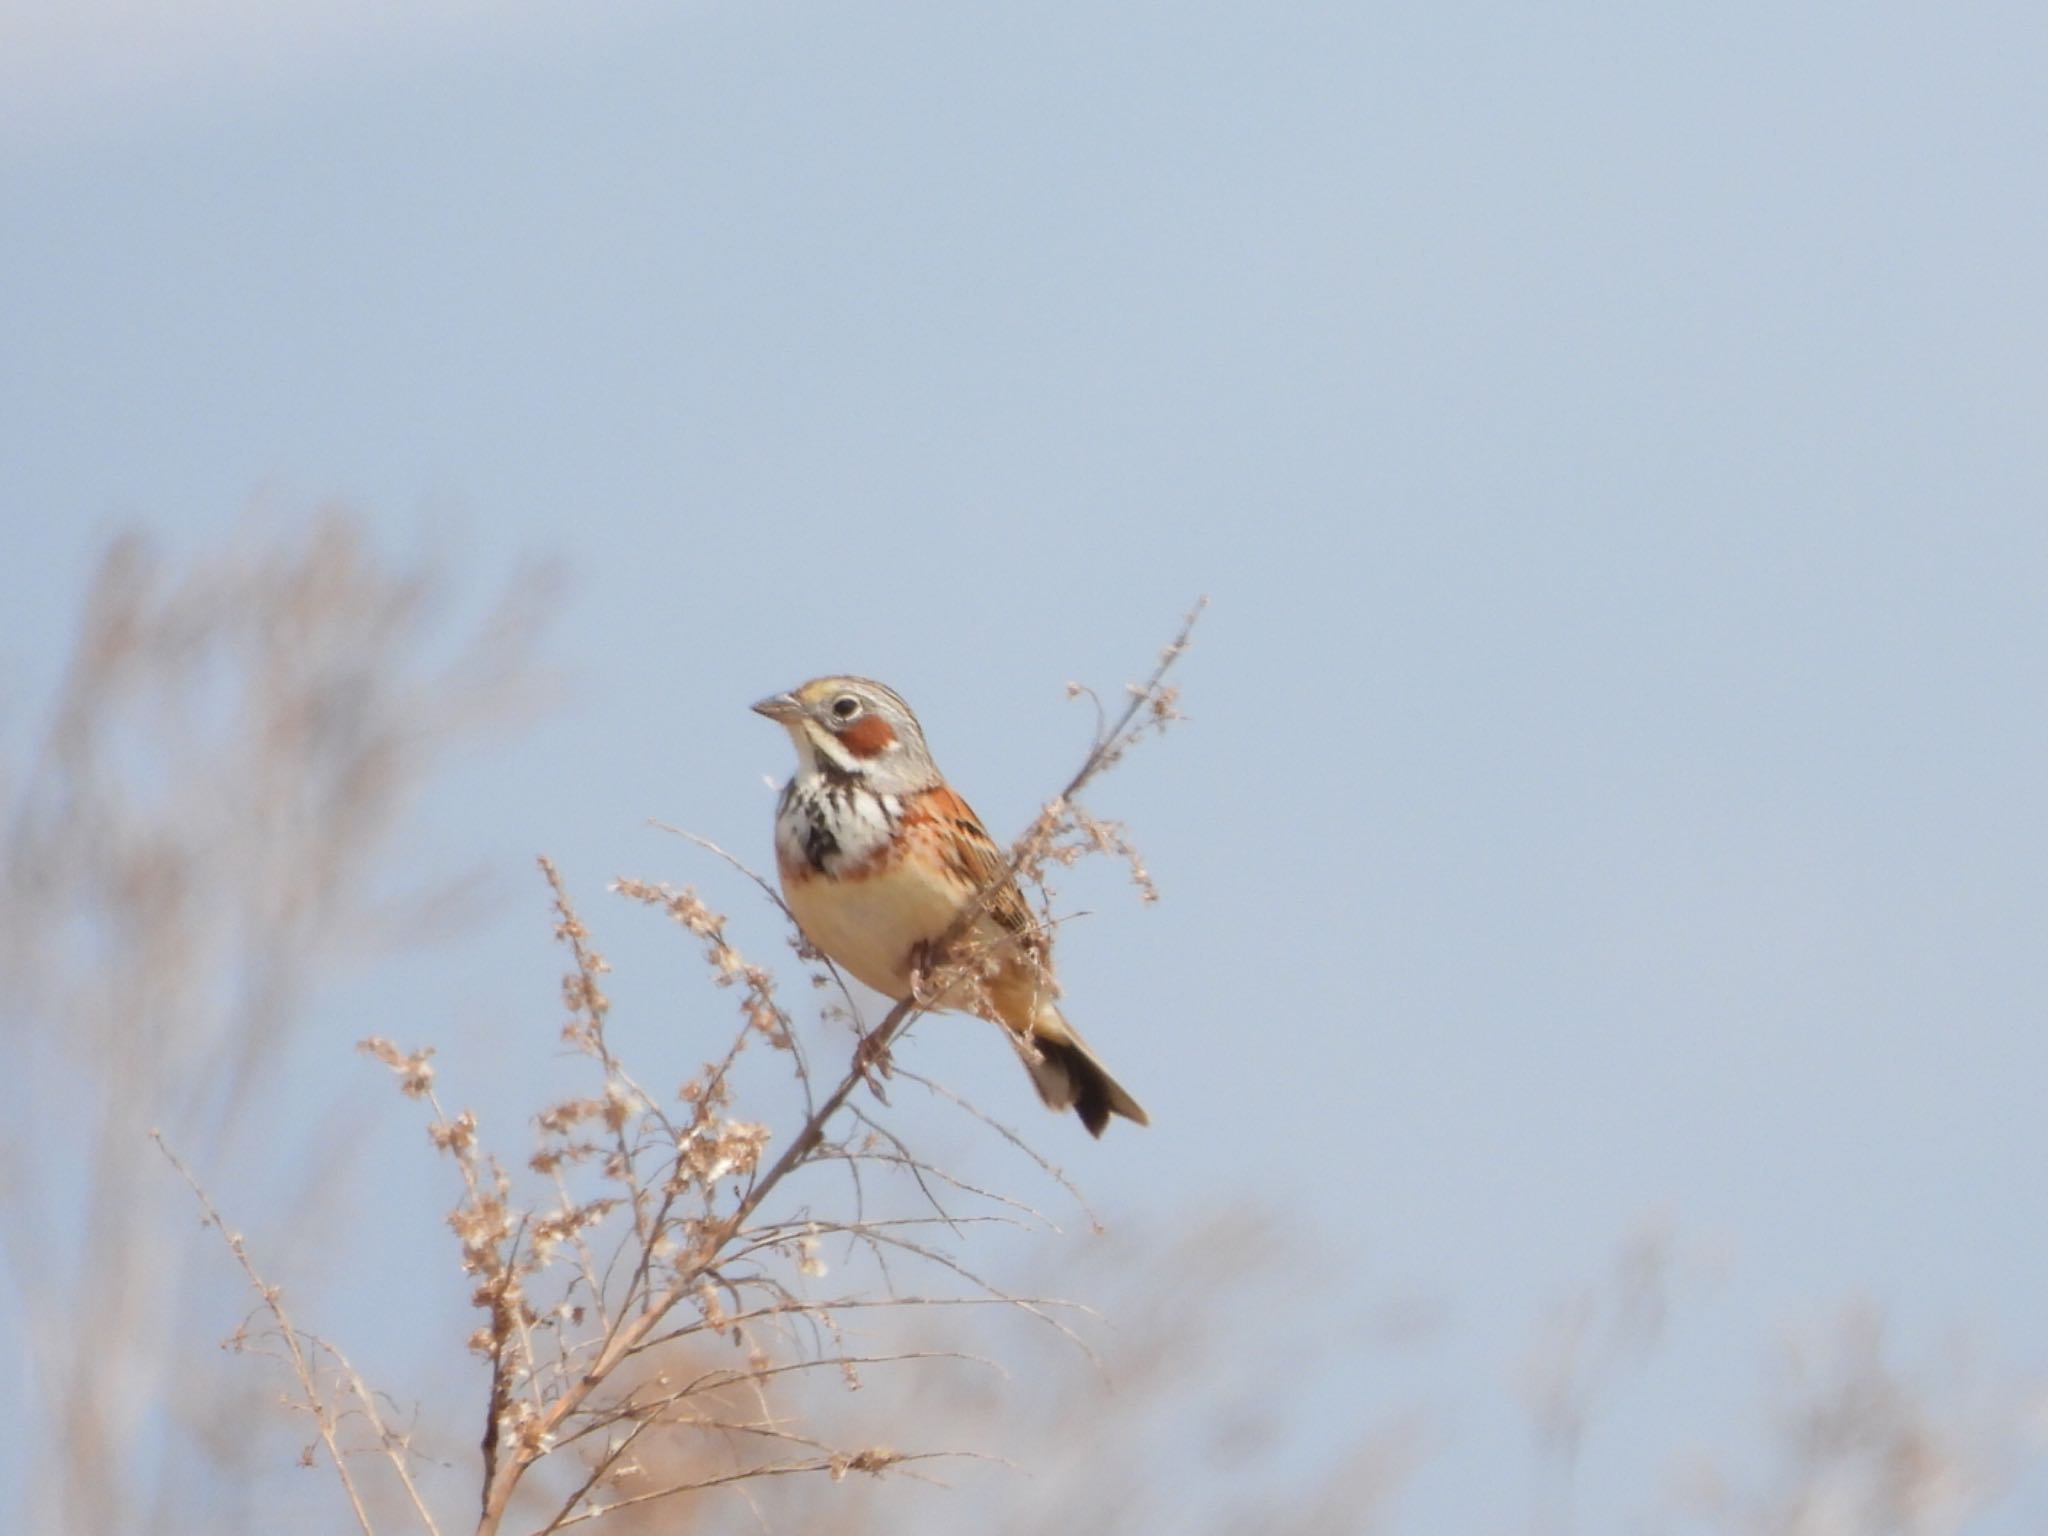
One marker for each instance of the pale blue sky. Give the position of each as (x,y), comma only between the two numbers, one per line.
(1611,438)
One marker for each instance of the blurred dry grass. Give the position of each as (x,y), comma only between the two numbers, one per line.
(198,832)
(1856,1441)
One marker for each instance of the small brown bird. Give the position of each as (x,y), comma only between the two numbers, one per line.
(878,854)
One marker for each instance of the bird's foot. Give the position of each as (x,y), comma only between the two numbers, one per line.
(871,1059)
(920,959)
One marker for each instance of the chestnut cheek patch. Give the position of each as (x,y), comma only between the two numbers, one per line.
(869,737)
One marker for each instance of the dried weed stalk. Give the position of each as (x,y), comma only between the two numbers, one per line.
(325,1379)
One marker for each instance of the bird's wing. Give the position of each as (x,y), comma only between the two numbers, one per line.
(974,856)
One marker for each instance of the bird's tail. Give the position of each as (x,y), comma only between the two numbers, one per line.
(1068,1075)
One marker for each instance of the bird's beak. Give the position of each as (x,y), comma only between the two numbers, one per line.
(781,708)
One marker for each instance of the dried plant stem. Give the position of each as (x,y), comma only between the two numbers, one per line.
(366,1402)
(873,1462)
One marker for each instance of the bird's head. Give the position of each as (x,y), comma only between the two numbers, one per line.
(853,727)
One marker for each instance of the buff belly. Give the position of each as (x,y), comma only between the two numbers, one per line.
(868,925)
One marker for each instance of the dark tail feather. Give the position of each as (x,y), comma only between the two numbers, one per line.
(1070,1076)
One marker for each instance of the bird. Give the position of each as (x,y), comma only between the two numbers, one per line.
(878,855)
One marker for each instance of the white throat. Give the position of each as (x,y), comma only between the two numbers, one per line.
(833,822)
(817,759)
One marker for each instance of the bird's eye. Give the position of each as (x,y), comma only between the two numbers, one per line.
(846,706)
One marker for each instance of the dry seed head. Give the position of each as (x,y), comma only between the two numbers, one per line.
(582,995)
(560,1119)
(457,1135)
(415,1072)
(875,1460)
(618,1104)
